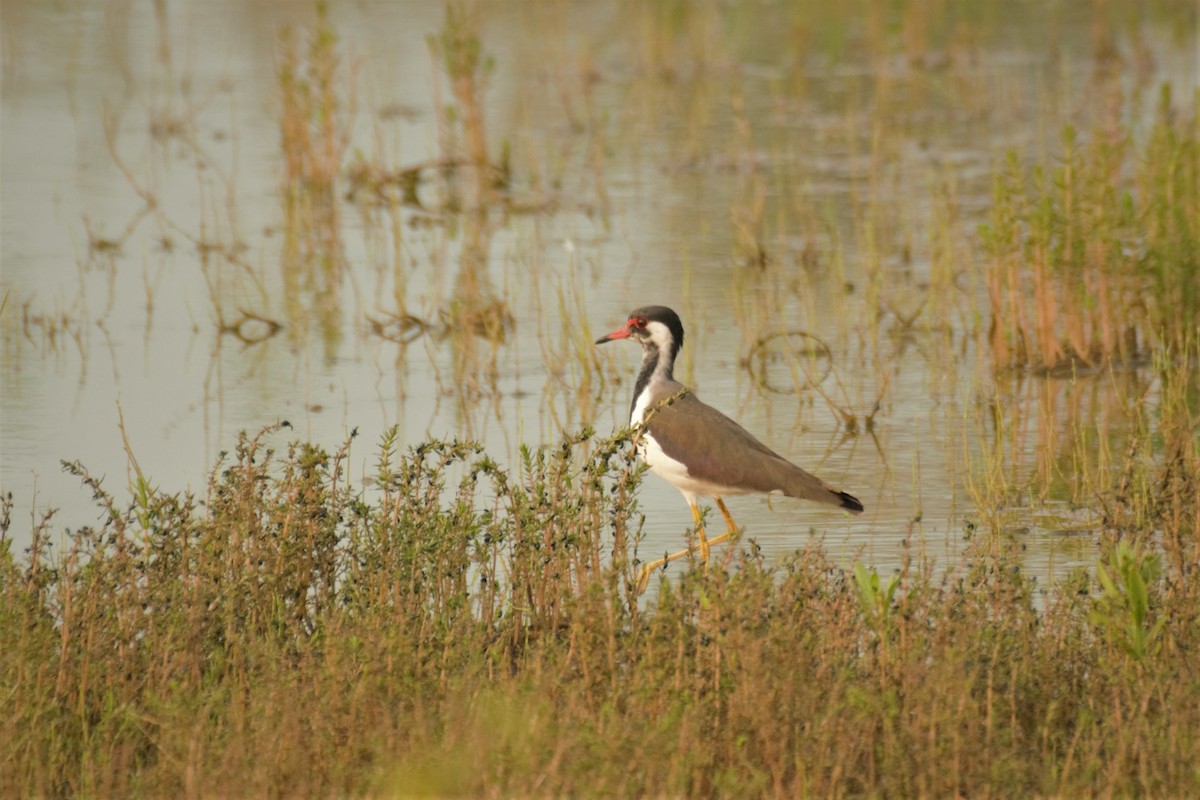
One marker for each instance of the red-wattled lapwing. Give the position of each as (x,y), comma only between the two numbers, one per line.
(694,447)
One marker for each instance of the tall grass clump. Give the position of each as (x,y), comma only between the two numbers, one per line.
(1097,259)
(454,627)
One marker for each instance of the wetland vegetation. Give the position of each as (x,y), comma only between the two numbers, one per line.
(431,616)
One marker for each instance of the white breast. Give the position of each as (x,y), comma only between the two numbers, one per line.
(672,471)
(639,410)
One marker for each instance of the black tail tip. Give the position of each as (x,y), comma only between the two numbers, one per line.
(850,503)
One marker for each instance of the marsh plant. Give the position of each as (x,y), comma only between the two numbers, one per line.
(451,626)
(1096,258)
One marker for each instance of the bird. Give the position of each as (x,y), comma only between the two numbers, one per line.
(696,448)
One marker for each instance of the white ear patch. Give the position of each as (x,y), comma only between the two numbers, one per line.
(659,334)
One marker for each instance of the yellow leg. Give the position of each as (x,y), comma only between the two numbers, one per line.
(725,512)
(700,533)
(731,531)
(648,569)
(705,544)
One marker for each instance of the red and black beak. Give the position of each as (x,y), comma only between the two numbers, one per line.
(620,333)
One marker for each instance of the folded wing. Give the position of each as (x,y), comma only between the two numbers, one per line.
(718,450)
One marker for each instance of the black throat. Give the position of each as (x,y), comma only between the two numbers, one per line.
(656,365)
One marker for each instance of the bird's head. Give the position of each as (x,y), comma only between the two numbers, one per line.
(656,327)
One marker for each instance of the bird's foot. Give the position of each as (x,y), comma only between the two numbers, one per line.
(643,581)
(648,569)
(731,536)
(706,545)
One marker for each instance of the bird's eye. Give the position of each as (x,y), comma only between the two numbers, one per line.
(640,323)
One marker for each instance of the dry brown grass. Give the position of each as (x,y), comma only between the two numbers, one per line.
(463,629)
(1097,259)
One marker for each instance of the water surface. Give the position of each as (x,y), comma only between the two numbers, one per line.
(763,171)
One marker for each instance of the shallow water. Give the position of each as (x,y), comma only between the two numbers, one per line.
(643,149)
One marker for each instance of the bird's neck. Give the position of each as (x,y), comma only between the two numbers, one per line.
(657,365)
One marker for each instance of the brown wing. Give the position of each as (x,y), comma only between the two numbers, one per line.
(720,451)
